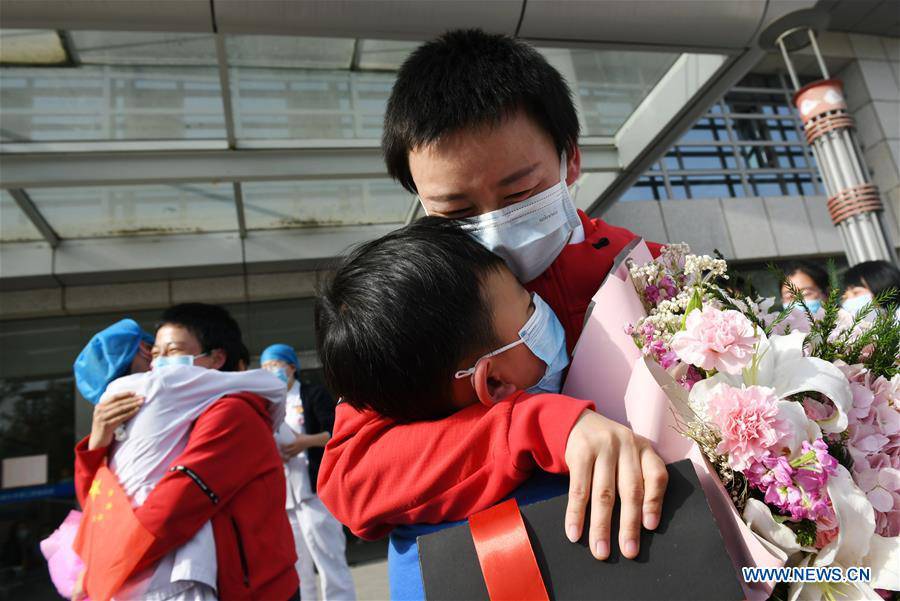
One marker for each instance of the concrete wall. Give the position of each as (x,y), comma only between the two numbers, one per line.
(744,229)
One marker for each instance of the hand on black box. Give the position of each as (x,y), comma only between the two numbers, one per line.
(684,558)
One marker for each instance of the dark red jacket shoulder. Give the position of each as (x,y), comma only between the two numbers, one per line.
(571,281)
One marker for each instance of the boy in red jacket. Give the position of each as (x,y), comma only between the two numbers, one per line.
(431,331)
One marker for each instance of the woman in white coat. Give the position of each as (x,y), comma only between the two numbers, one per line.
(307,426)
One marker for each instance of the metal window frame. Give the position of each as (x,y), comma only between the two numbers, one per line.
(771,150)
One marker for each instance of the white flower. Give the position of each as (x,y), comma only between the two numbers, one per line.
(698,264)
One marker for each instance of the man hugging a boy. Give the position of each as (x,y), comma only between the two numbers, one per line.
(448,340)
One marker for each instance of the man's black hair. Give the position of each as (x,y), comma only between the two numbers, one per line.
(212,326)
(400,314)
(877,276)
(469,78)
(244,358)
(815,272)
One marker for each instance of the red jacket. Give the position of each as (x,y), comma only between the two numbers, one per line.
(231,474)
(571,281)
(377,474)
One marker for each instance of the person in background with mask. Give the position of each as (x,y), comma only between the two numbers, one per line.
(118,350)
(483,130)
(865,281)
(319,538)
(812,282)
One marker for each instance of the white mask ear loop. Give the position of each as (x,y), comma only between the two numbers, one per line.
(464,373)
(563,169)
(424,208)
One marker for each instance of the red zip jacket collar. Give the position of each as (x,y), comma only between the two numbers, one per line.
(574,277)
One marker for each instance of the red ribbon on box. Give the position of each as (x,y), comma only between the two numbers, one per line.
(504,551)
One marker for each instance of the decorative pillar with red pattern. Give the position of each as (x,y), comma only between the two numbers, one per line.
(853,200)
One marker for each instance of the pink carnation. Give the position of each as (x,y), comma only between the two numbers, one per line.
(748,421)
(715,339)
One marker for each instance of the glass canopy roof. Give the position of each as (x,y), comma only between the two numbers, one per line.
(154,93)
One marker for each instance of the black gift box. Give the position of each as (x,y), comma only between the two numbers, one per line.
(684,558)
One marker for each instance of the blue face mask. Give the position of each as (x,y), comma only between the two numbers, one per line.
(813,305)
(280,372)
(545,337)
(175,360)
(855,305)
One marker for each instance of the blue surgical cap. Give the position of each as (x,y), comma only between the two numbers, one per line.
(107,356)
(280,352)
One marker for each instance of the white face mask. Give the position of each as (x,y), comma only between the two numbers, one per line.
(857,303)
(530,234)
(175,360)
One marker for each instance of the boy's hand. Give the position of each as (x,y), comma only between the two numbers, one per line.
(602,455)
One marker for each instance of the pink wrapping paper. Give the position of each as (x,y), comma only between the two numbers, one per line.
(605,353)
(62,561)
(609,369)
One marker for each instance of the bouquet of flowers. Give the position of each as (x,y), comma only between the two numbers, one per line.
(798,414)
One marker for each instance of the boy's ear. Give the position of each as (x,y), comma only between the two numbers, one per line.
(489,384)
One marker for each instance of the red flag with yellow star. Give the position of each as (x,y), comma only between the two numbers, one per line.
(110,540)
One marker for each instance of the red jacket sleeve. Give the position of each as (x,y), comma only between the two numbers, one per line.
(87,462)
(226,450)
(377,474)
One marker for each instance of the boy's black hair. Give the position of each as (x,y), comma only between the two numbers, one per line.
(212,325)
(400,314)
(469,78)
(815,272)
(877,276)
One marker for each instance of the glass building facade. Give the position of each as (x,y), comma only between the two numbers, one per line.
(750,143)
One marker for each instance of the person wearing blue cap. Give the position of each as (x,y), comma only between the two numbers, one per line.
(118,350)
(190,443)
(307,426)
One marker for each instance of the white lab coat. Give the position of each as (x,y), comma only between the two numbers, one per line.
(148,444)
(319,538)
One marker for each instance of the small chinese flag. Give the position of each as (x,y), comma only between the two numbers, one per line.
(110,540)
